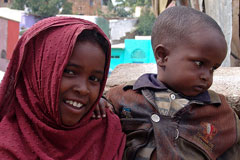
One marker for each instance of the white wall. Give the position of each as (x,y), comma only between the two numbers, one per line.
(1,75)
(119,27)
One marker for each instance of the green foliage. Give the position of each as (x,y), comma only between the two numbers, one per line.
(125,8)
(145,23)
(146,3)
(134,3)
(115,11)
(22,31)
(67,8)
(121,12)
(110,5)
(105,2)
(103,24)
(18,4)
(44,8)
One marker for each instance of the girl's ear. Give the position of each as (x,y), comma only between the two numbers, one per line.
(161,55)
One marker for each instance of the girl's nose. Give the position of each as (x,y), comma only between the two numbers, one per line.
(81,88)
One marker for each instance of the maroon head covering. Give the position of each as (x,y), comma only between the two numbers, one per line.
(30,126)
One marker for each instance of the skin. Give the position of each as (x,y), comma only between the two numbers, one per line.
(188,67)
(81,81)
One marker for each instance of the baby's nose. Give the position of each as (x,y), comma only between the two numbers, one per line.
(206,75)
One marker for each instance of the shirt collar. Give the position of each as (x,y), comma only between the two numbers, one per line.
(149,81)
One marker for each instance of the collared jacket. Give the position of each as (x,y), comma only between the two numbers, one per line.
(161,124)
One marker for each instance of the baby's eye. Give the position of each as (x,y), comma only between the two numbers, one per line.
(68,71)
(198,63)
(213,69)
(95,79)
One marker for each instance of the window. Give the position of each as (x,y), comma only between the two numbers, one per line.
(115,57)
(91,3)
(5,1)
(138,56)
(3,54)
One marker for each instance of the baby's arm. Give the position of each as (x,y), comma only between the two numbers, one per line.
(114,97)
(111,101)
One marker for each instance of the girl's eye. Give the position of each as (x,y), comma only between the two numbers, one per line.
(68,71)
(198,63)
(95,79)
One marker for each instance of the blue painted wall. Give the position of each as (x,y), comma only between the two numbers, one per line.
(135,51)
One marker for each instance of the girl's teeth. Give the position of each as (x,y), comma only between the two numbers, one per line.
(74,103)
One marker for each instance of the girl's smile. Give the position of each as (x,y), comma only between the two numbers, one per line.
(81,81)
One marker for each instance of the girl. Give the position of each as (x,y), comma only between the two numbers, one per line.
(52,85)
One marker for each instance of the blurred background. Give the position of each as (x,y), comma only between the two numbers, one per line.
(127,23)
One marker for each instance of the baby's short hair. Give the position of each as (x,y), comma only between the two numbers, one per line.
(175,23)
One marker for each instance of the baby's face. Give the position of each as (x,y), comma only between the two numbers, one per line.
(190,65)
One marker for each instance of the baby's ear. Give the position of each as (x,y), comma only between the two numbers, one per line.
(161,53)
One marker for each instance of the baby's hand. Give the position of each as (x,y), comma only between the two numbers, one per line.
(99,111)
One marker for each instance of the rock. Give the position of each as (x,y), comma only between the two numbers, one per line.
(127,72)
(226,80)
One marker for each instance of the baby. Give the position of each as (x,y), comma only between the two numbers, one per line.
(172,114)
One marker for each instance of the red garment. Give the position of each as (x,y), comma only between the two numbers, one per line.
(31,127)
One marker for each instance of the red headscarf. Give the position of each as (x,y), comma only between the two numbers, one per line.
(31,127)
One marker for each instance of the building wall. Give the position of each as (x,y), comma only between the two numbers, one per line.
(235,48)
(119,27)
(3,35)
(28,21)
(222,13)
(135,51)
(85,7)
(138,51)
(3,65)
(13,34)
(5,3)
(117,57)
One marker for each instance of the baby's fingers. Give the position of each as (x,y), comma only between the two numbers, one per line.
(110,107)
(96,112)
(102,106)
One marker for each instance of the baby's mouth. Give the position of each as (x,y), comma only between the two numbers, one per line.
(200,88)
(74,103)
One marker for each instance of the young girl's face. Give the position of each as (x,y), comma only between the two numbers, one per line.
(81,81)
